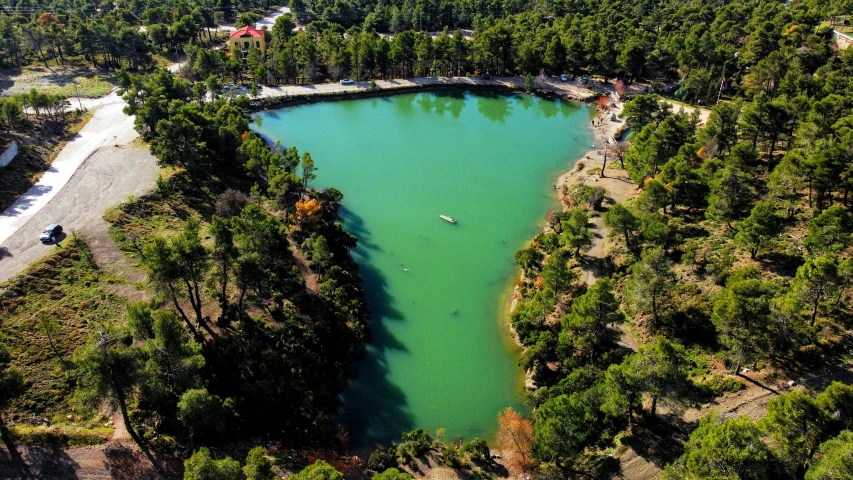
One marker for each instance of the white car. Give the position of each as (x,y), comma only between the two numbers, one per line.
(51,233)
(564,78)
(347,81)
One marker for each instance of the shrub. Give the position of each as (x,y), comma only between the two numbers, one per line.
(382,459)
(415,443)
(231,203)
(587,195)
(450,455)
(718,384)
(477,448)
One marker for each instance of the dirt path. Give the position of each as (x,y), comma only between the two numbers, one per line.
(311,278)
(619,187)
(635,467)
(115,460)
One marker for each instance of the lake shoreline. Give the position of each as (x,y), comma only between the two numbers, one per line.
(606,132)
(508,87)
(538,122)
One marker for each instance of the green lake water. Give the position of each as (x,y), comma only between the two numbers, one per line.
(441,354)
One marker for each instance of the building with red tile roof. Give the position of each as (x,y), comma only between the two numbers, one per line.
(246,38)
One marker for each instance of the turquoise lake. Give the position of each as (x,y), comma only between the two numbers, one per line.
(441,353)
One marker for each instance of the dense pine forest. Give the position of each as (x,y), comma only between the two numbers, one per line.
(733,255)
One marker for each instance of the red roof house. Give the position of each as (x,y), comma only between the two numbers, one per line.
(247,37)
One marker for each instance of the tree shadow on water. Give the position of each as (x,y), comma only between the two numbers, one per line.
(450,101)
(354,225)
(496,111)
(374,408)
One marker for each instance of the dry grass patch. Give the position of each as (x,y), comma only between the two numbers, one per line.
(67,291)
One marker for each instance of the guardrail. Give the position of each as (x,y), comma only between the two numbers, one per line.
(9,154)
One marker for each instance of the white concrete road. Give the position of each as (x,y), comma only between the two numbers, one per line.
(105,178)
(108,126)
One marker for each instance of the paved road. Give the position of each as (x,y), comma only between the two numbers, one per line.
(108,126)
(105,178)
(54,200)
(571,89)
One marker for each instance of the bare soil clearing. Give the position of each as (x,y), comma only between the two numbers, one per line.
(57,79)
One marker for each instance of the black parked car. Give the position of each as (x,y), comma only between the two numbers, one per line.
(486,76)
(51,233)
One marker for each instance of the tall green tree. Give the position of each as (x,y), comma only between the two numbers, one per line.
(576,232)
(621,219)
(557,274)
(173,364)
(645,109)
(308,169)
(201,466)
(223,256)
(258,465)
(178,267)
(586,328)
(320,470)
(724,449)
(830,231)
(731,195)
(834,459)
(528,258)
(836,402)
(392,474)
(650,285)
(659,371)
(797,424)
(741,314)
(201,413)
(621,391)
(654,145)
(759,228)
(110,368)
(815,281)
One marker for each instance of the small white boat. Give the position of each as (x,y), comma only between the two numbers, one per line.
(447,219)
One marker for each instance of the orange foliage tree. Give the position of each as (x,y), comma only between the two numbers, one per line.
(307,211)
(47,18)
(620,88)
(515,440)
